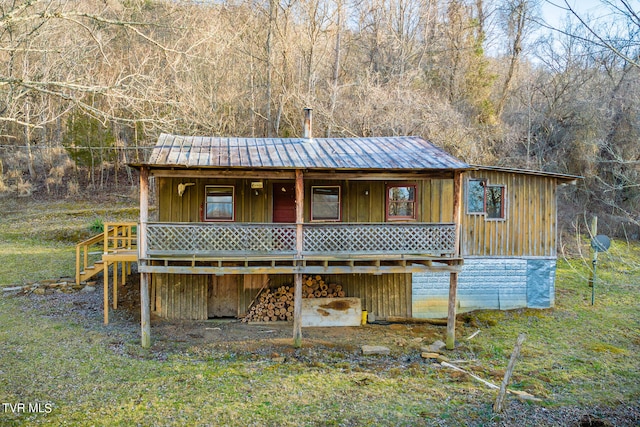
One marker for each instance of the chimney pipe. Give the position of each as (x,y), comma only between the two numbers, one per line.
(308,124)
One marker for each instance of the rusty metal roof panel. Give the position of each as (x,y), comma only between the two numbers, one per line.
(162,149)
(289,153)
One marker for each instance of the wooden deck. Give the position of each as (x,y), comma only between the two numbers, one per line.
(333,248)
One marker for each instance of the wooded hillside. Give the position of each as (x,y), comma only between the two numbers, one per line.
(85,86)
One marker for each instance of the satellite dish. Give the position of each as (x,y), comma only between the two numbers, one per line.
(600,243)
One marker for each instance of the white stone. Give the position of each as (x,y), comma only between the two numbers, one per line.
(375,349)
(436,346)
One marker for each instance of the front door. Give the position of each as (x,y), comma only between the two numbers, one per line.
(223,296)
(284,202)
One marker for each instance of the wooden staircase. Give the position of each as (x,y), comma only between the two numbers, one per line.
(90,271)
(118,243)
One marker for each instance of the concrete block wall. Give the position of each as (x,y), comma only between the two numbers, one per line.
(487,283)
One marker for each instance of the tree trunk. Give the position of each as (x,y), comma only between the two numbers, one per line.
(517,21)
(336,70)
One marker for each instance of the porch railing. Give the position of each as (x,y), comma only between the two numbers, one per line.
(256,239)
(379,238)
(221,238)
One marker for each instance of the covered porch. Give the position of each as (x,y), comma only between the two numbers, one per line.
(297,248)
(326,248)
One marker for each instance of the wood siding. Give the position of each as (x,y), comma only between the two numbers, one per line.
(186,296)
(529,228)
(180,296)
(362,201)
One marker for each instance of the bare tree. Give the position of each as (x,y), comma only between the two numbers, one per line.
(517,17)
(616,28)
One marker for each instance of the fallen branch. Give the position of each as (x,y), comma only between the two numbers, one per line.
(520,394)
(473,335)
(475,377)
(497,407)
(410,320)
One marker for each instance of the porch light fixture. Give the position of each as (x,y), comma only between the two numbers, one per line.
(256,186)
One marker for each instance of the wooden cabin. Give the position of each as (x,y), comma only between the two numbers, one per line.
(391,219)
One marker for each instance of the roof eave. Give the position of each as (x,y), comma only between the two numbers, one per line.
(461,168)
(565,179)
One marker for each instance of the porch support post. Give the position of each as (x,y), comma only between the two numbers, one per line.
(453,277)
(115,285)
(297,311)
(297,295)
(123,272)
(145,306)
(105,292)
(451,318)
(457,208)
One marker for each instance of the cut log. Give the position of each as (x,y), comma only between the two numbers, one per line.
(278,302)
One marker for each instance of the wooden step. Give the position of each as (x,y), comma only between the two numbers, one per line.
(91,271)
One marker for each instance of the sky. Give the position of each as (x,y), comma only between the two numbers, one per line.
(554,13)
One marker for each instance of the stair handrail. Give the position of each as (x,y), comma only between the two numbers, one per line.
(82,248)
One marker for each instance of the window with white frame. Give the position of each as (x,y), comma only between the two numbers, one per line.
(325,203)
(494,201)
(219,203)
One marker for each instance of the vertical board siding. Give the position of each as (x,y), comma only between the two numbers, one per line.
(435,199)
(185,296)
(179,296)
(530,225)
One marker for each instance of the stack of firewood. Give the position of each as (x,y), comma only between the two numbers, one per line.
(277,304)
(315,287)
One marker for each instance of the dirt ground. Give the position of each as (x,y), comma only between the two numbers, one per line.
(275,339)
(336,346)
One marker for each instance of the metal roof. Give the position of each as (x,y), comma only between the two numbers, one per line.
(402,153)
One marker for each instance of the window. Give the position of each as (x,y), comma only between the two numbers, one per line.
(485,199)
(401,202)
(325,203)
(475,196)
(495,201)
(219,203)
